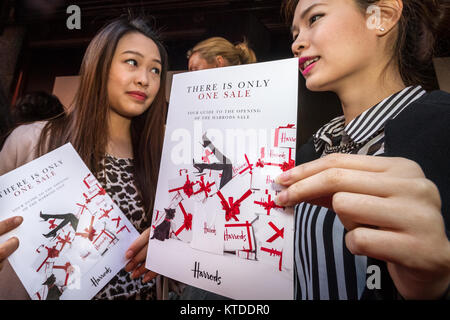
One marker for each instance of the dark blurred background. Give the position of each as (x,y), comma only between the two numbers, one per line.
(39,52)
(36,46)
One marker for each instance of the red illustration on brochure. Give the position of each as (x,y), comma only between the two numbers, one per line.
(91,228)
(215,225)
(75,230)
(228,205)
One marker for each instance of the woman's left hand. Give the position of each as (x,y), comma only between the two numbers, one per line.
(390,210)
(137,252)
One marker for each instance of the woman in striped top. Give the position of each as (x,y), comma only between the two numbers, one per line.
(372,189)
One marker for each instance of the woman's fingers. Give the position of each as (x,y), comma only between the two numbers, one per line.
(137,252)
(404,168)
(390,210)
(355,209)
(7,248)
(137,259)
(138,244)
(11,245)
(10,224)
(327,182)
(149,275)
(382,245)
(137,273)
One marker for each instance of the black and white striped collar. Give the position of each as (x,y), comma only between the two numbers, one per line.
(370,121)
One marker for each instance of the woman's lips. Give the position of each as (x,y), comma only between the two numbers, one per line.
(308,68)
(137,95)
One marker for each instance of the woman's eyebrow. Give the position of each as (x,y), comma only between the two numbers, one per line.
(306,11)
(140,54)
(133,52)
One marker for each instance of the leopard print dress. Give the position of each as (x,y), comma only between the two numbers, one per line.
(118,181)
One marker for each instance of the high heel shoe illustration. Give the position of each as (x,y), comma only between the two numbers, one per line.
(67,218)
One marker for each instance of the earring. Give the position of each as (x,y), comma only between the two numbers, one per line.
(381,29)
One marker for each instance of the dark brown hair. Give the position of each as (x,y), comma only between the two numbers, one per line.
(36,106)
(422,23)
(85,124)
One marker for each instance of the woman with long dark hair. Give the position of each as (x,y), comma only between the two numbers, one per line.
(372,191)
(116,124)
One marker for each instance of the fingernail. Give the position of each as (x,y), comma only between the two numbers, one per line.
(283,177)
(282,198)
(18,220)
(14,239)
(130,266)
(129,254)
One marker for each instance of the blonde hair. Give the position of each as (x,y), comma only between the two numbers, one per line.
(237,54)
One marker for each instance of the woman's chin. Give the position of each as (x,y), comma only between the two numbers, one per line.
(315,85)
(130,113)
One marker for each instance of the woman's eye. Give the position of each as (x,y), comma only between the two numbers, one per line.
(131,62)
(156,71)
(314,18)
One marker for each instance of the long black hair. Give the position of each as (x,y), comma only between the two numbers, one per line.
(84,124)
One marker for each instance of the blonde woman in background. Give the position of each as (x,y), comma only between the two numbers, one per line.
(218,52)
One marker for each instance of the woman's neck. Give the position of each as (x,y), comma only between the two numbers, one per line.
(119,136)
(361,95)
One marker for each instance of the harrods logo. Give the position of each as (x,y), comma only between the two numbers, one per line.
(205,274)
(285,138)
(233,236)
(96,279)
(209,230)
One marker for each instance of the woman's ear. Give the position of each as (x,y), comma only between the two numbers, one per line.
(221,62)
(390,12)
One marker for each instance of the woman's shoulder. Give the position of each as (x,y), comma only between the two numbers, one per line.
(27,134)
(33,129)
(421,131)
(431,109)
(21,146)
(431,102)
(437,97)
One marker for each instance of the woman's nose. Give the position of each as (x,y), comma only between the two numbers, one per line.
(299,44)
(142,78)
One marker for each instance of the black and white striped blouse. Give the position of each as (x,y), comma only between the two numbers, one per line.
(324,267)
